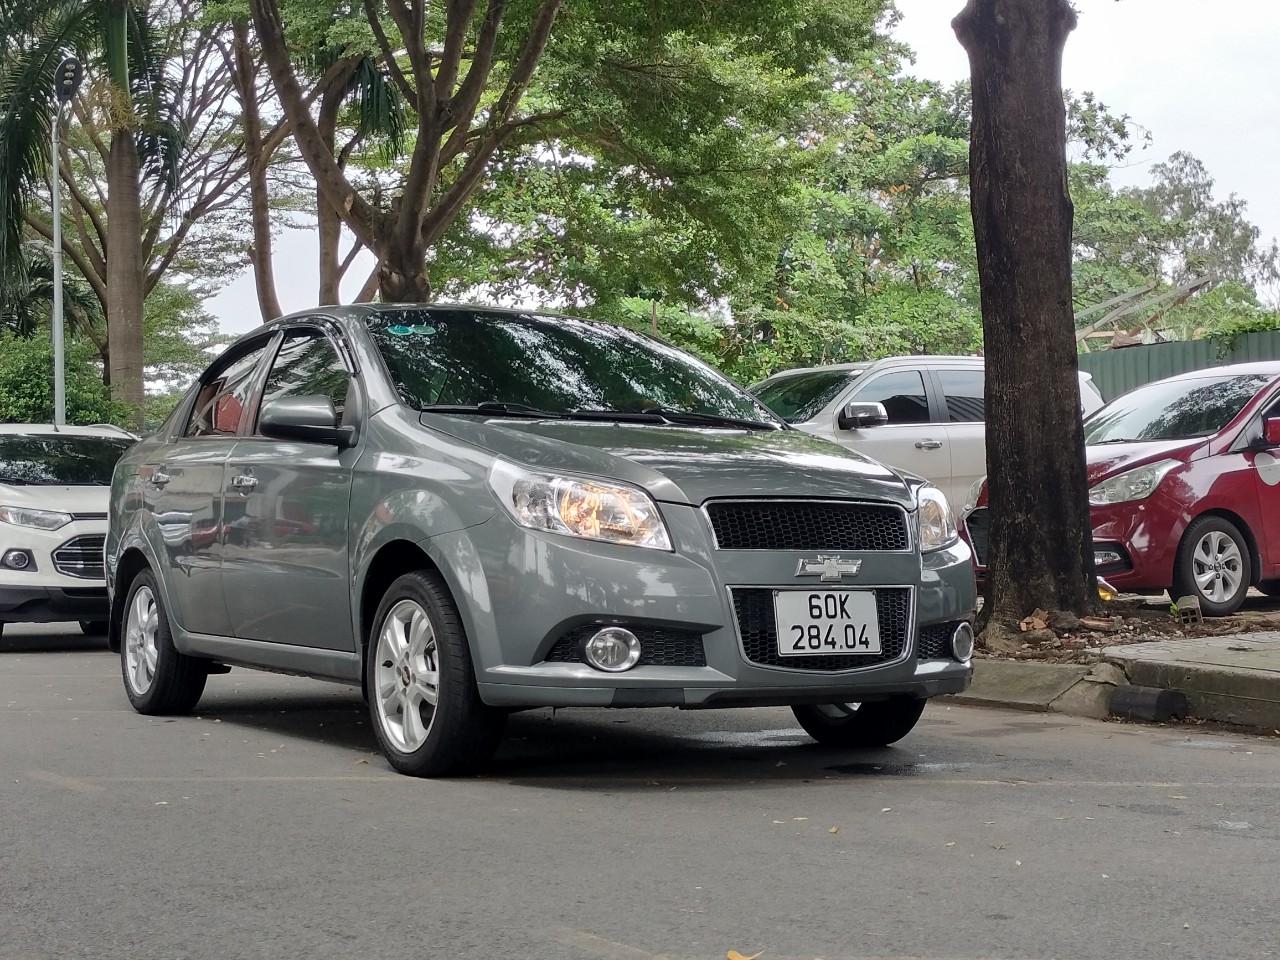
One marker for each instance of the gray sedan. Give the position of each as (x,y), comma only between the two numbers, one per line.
(472,511)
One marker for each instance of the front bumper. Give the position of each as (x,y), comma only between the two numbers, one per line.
(36,604)
(542,588)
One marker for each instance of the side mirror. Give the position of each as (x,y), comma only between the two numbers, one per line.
(309,419)
(859,416)
(1271,431)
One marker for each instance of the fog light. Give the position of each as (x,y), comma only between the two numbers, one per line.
(1105,558)
(16,560)
(962,642)
(613,650)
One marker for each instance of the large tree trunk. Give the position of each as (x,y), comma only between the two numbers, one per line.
(124,273)
(1041,551)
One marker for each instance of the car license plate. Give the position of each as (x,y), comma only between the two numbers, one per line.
(826,622)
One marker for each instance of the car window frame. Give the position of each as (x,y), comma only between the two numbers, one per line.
(268,342)
(935,373)
(1251,429)
(933,401)
(336,339)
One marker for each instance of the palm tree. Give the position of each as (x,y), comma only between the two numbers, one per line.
(26,297)
(112,37)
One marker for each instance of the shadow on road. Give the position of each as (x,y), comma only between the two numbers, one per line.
(50,642)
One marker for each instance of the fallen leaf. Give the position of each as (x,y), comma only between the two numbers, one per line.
(362,761)
(1177,796)
(951,844)
(833,830)
(735,955)
(1017,863)
(885,809)
(800,818)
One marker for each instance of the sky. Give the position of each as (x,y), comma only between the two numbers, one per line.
(1200,76)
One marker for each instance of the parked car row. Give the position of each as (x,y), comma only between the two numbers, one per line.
(469,511)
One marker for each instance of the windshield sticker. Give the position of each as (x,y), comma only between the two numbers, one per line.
(406,330)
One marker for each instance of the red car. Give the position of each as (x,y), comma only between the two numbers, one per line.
(1184,487)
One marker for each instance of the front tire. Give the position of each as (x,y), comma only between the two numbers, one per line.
(157,678)
(421,685)
(1213,565)
(860,726)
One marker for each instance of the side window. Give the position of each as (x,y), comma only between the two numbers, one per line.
(307,365)
(965,397)
(902,394)
(222,397)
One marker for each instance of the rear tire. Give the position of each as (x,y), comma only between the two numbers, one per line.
(1213,565)
(421,685)
(93,628)
(876,724)
(157,678)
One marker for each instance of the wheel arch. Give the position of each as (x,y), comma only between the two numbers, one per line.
(1251,541)
(132,562)
(392,560)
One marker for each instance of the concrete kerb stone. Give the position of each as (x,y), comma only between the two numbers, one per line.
(1225,679)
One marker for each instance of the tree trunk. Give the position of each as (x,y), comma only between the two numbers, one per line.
(403,278)
(124,273)
(1041,549)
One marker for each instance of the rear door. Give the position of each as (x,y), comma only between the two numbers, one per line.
(285,564)
(182,489)
(913,440)
(963,392)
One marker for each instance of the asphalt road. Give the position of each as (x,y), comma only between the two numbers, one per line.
(267,827)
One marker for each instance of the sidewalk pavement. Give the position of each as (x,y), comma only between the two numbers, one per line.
(1233,679)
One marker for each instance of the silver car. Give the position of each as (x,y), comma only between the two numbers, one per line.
(470,511)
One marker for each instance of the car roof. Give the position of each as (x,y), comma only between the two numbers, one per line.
(1267,368)
(363,311)
(93,430)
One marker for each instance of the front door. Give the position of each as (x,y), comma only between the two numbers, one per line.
(285,563)
(1266,471)
(912,440)
(183,492)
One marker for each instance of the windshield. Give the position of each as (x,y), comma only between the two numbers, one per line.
(1174,410)
(59,458)
(800,397)
(459,357)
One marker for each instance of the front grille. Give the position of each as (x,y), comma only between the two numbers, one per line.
(759,632)
(935,641)
(81,557)
(807,525)
(659,647)
(88,516)
(978,526)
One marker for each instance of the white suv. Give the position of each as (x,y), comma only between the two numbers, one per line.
(933,419)
(55,484)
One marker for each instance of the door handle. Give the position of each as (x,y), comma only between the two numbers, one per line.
(244,482)
(928,444)
(159,478)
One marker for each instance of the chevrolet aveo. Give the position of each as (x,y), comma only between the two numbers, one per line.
(469,511)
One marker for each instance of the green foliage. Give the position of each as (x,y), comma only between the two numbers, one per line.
(26,384)
(179,336)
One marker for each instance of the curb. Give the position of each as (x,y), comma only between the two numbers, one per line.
(1233,680)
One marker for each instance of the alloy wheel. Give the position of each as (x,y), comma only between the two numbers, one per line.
(1217,566)
(141,652)
(407,676)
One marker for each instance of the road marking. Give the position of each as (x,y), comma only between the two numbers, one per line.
(67,783)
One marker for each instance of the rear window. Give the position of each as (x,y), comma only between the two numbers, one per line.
(801,397)
(59,459)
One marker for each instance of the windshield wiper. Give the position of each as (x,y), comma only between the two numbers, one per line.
(494,407)
(710,419)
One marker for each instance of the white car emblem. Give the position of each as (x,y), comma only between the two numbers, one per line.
(829,568)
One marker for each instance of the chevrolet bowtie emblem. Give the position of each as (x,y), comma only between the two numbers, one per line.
(828,568)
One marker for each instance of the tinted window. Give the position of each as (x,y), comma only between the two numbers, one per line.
(965,397)
(48,458)
(549,363)
(802,396)
(307,365)
(902,394)
(222,397)
(1174,410)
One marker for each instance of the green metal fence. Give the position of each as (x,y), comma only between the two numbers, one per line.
(1119,370)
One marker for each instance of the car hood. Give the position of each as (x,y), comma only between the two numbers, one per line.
(1107,459)
(683,464)
(88,499)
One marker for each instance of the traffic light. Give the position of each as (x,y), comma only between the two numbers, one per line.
(66,80)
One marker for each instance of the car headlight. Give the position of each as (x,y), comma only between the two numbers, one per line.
(579,506)
(1136,484)
(41,519)
(937,529)
(975,491)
